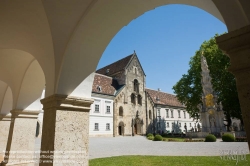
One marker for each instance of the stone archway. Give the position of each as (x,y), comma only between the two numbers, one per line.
(138,124)
(121,128)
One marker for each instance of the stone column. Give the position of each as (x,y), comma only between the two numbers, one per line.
(236,45)
(4,132)
(65,136)
(21,138)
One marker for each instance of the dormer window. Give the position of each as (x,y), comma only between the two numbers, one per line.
(157,99)
(107,71)
(99,88)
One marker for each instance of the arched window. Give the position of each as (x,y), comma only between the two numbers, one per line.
(120,111)
(150,114)
(133,98)
(136,86)
(139,98)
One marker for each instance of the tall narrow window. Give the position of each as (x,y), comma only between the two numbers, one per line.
(179,114)
(96,126)
(172,114)
(107,126)
(136,86)
(120,111)
(158,112)
(133,98)
(150,114)
(96,107)
(184,112)
(139,98)
(108,109)
(167,124)
(167,113)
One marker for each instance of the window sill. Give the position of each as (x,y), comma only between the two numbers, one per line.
(96,111)
(107,113)
(96,129)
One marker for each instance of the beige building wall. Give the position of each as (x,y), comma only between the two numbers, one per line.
(136,111)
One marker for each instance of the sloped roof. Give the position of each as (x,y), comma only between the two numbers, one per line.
(163,98)
(115,67)
(106,84)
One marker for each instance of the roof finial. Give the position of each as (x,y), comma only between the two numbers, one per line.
(134,52)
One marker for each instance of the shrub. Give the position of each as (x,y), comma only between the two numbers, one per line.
(165,135)
(172,139)
(164,139)
(158,138)
(150,137)
(149,134)
(228,138)
(241,139)
(194,140)
(210,138)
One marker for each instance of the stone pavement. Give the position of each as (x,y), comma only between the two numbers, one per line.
(117,146)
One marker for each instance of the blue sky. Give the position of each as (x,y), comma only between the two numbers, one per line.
(164,40)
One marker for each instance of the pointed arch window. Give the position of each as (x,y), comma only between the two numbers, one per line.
(133,98)
(136,86)
(139,98)
(150,114)
(120,111)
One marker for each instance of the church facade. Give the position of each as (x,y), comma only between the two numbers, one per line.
(124,106)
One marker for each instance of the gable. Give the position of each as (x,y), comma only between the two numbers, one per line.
(134,65)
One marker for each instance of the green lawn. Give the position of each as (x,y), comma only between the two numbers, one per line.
(175,139)
(168,161)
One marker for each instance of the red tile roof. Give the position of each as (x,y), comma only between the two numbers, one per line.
(115,67)
(106,84)
(163,98)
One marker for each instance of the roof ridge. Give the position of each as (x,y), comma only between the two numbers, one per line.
(161,91)
(115,62)
(103,75)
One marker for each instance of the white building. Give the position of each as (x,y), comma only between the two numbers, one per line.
(170,115)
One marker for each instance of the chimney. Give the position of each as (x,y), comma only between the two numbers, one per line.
(159,89)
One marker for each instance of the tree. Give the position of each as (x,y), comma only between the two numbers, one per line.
(189,89)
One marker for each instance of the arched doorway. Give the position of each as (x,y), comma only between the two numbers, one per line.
(121,128)
(138,124)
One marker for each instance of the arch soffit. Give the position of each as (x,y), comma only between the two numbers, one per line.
(6,99)
(15,71)
(98,19)
(33,34)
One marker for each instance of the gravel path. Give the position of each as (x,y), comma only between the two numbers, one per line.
(138,145)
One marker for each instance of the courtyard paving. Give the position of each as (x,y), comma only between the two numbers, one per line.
(117,146)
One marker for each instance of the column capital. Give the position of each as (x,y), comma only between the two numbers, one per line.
(32,114)
(236,45)
(69,103)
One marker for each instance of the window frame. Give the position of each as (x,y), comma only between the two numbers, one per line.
(96,127)
(107,126)
(108,112)
(96,108)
